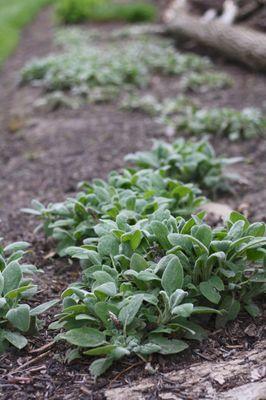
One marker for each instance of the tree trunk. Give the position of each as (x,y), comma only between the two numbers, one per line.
(240,377)
(235,42)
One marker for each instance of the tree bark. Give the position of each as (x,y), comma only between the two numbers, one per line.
(235,42)
(241,377)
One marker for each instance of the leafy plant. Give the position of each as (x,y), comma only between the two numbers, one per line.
(150,105)
(87,65)
(228,122)
(75,11)
(17,318)
(137,192)
(205,81)
(182,114)
(187,161)
(146,284)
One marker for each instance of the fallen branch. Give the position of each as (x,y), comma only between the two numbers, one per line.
(238,43)
(230,11)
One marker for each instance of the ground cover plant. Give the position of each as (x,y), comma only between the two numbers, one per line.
(205,81)
(182,114)
(15,14)
(137,192)
(17,318)
(146,284)
(149,274)
(75,11)
(168,176)
(88,66)
(188,161)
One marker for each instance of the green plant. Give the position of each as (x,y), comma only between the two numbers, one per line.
(150,105)
(245,124)
(17,318)
(205,81)
(85,66)
(136,193)
(182,114)
(146,284)
(75,11)
(187,161)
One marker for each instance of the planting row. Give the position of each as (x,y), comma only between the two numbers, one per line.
(153,276)
(91,69)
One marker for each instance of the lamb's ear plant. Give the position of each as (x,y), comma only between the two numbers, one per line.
(245,124)
(138,192)
(88,66)
(17,318)
(146,284)
(183,115)
(204,81)
(188,161)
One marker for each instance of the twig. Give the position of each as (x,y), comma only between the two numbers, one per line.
(32,361)
(124,371)
(36,369)
(43,348)
(85,390)
(202,356)
(230,11)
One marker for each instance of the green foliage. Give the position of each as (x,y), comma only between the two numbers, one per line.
(138,193)
(86,65)
(150,105)
(14,15)
(187,161)
(182,114)
(147,283)
(205,81)
(245,124)
(17,318)
(75,11)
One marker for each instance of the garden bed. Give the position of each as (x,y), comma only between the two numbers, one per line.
(44,156)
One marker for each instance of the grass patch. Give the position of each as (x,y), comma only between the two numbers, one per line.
(14,15)
(75,11)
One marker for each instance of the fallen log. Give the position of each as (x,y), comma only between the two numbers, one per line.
(236,42)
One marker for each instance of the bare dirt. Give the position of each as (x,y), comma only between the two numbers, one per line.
(44,156)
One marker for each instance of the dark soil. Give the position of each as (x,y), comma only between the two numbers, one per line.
(45,155)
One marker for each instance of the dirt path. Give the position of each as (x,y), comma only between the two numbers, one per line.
(44,156)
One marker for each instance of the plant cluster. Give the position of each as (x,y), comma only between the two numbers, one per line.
(148,282)
(205,81)
(234,124)
(161,109)
(187,161)
(152,275)
(170,176)
(138,193)
(76,11)
(17,318)
(86,65)
(184,115)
